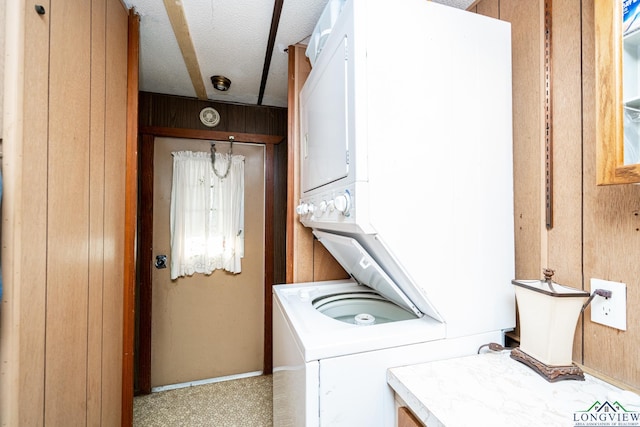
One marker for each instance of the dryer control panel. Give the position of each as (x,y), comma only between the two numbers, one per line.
(336,209)
(334,205)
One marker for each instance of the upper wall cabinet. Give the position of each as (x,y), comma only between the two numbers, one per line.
(618,91)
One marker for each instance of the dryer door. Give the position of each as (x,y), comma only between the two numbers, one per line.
(325,148)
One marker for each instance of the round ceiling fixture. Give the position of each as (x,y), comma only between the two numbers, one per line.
(220,83)
(209,117)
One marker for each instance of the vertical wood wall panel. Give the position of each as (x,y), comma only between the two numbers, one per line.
(299,238)
(280,214)
(489,8)
(279,122)
(55,369)
(236,116)
(269,249)
(526,31)
(565,238)
(130,218)
(144,289)
(114,210)
(611,240)
(31,220)
(96,211)
(68,226)
(24,217)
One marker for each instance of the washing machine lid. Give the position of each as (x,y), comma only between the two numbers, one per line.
(364,269)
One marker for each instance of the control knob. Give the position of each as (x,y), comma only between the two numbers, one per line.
(343,203)
(305,208)
(302,209)
(311,208)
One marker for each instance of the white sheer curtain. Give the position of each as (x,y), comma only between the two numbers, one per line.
(207,214)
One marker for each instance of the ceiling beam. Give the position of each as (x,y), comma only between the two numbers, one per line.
(183,36)
(275,20)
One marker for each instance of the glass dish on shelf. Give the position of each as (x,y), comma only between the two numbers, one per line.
(631,135)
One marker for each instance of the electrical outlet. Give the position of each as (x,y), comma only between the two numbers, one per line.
(610,311)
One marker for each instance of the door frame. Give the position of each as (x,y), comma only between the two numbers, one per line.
(145,235)
(131,209)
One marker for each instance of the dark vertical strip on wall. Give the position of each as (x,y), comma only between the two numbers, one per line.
(280,214)
(269,257)
(143,282)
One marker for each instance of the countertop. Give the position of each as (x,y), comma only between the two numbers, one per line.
(493,389)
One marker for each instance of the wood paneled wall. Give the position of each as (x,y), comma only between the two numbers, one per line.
(182,112)
(595,229)
(22,325)
(299,238)
(611,243)
(63,213)
(526,29)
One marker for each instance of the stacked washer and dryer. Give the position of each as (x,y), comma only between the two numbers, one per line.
(406,178)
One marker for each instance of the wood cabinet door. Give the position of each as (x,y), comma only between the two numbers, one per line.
(407,419)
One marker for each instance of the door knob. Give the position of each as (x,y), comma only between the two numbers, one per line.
(161,261)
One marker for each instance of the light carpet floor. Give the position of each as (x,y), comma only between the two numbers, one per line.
(245,402)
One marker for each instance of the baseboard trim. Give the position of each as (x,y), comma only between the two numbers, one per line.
(205,381)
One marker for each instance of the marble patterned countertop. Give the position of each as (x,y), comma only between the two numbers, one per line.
(493,389)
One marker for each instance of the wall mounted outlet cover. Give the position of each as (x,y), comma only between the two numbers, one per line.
(610,311)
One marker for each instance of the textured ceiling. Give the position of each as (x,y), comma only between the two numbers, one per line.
(230,38)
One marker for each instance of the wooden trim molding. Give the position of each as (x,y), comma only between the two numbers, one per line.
(211,135)
(292,113)
(268,256)
(131,190)
(145,257)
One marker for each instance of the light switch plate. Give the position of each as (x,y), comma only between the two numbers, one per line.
(610,311)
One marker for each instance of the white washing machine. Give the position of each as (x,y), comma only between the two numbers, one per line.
(333,342)
(406,177)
